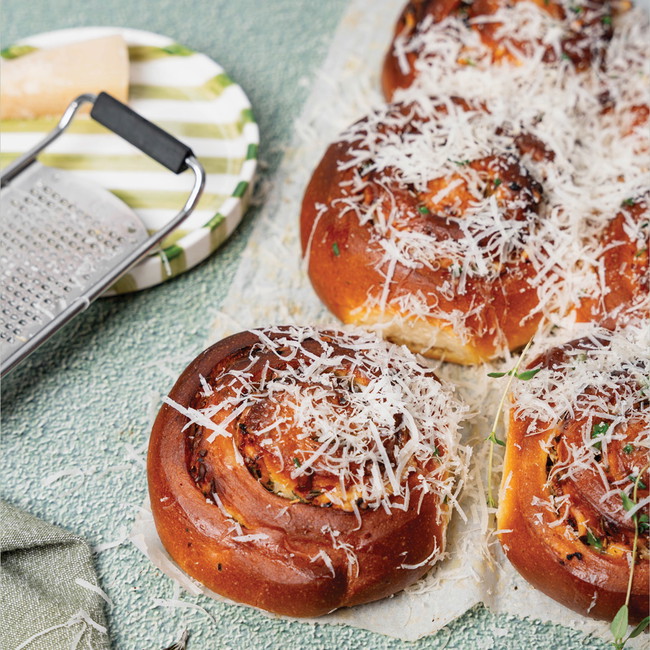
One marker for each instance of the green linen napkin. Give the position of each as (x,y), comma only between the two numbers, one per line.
(46,586)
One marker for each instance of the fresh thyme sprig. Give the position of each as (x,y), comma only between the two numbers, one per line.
(492,438)
(525,375)
(619,625)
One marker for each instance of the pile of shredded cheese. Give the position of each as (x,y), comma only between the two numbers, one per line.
(358,412)
(590,153)
(606,377)
(420,145)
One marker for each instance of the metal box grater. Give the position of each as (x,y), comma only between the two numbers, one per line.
(64,240)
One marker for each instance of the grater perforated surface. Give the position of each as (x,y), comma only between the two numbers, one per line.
(59,236)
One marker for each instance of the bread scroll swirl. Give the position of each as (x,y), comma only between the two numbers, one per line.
(576,474)
(300,470)
(421,222)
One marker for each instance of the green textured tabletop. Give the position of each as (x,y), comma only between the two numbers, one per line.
(83,402)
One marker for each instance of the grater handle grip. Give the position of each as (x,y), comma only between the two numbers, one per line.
(146,136)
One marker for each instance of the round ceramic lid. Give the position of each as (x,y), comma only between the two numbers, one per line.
(185,93)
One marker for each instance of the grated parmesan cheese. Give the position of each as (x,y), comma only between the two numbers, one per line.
(340,419)
(590,404)
(580,132)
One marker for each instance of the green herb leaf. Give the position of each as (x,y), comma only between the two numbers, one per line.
(594,541)
(628,503)
(436,451)
(497,182)
(528,374)
(640,252)
(599,429)
(628,449)
(642,521)
(565,57)
(459,162)
(606,20)
(493,438)
(497,375)
(639,628)
(422,209)
(524,376)
(628,202)
(296,462)
(640,483)
(335,248)
(619,624)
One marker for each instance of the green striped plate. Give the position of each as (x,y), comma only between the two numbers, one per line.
(187,94)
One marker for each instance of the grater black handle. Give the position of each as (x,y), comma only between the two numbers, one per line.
(146,136)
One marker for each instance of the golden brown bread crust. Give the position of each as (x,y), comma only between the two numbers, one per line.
(586,30)
(344,256)
(280,571)
(577,554)
(624,289)
(393,76)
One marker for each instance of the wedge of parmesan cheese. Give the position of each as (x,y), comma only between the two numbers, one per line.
(44,82)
